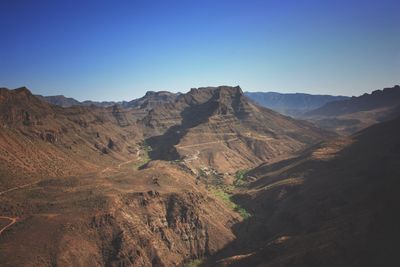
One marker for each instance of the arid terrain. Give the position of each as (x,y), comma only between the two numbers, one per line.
(203,178)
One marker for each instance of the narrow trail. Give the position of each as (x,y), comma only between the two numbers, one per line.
(208,143)
(192,157)
(118,166)
(124,163)
(12,221)
(18,187)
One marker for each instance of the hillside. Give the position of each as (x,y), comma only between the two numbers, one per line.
(356,113)
(74,190)
(219,127)
(294,104)
(333,206)
(39,139)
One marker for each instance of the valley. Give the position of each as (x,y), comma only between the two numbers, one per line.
(223,133)
(204,178)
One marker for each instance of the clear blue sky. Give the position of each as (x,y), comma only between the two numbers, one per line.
(115,50)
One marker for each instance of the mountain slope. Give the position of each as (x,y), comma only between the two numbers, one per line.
(333,206)
(291,104)
(219,127)
(39,139)
(74,191)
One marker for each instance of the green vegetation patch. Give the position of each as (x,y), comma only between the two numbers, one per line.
(193,263)
(226,197)
(144,157)
(240,177)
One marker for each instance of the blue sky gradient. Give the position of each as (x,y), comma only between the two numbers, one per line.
(118,50)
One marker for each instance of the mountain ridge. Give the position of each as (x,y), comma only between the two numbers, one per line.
(356,113)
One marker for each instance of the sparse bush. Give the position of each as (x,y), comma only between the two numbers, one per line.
(240,177)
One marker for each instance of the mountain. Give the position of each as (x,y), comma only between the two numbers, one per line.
(291,104)
(335,205)
(356,113)
(219,127)
(80,177)
(90,185)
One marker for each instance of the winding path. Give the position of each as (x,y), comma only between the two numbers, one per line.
(208,143)
(18,187)
(12,221)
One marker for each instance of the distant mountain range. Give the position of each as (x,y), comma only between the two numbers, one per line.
(341,114)
(294,104)
(150,99)
(377,99)
(356,113)
(288,104)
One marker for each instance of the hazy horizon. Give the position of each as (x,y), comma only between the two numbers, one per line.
(102,51)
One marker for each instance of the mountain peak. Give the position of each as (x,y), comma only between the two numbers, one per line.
(218,89)
(20,90)
(18,93)
(23,90)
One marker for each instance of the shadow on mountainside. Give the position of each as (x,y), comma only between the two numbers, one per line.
(342,214)
(192,116)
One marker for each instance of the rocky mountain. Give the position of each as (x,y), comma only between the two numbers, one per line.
(219,127)
(116,186)
(77,188)
(335,205)
(207,177)
(294,104)
(356,113)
